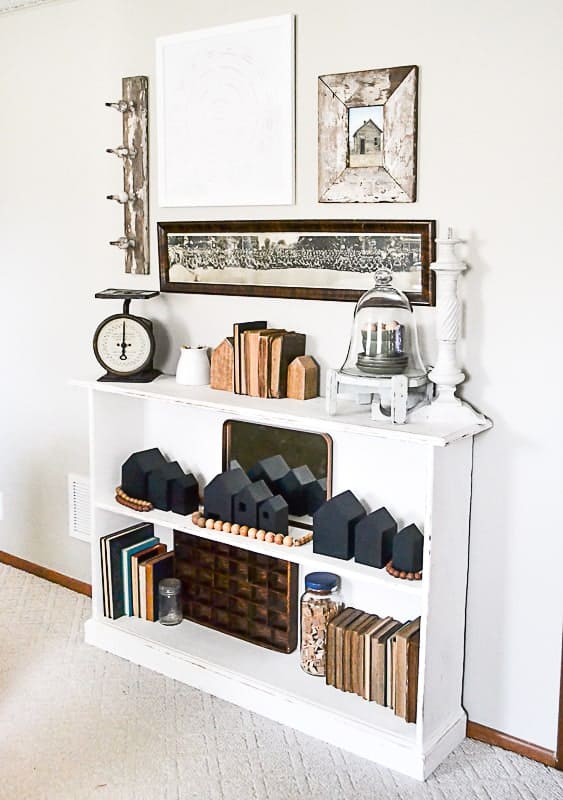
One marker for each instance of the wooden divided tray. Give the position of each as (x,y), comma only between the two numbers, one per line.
(244,594)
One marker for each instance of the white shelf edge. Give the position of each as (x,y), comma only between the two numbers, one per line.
(299,555)
(393,748)
(307,415)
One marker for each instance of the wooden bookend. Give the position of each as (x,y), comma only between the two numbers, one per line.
(223,366)
(303,378)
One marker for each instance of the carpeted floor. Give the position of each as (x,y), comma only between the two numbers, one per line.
(77,723)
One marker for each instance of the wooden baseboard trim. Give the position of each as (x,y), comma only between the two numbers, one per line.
(491,736)
(47,574)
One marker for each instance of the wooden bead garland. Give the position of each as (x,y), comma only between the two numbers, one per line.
(132,502)
(409,576)
(252,533)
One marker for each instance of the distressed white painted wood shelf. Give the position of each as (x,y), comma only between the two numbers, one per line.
(421,473)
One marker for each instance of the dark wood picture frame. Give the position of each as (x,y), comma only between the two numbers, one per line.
(172,238)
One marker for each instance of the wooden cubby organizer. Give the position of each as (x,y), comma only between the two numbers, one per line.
(421,473)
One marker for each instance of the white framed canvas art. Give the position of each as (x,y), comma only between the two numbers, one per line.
(226,115)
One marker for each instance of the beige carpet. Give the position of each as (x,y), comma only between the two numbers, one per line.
(77,723)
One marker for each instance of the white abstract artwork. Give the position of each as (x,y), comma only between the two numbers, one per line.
(225,100)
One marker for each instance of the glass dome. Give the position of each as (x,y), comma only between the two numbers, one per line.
(384,339)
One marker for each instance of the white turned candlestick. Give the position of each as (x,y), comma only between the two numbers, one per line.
(446,374)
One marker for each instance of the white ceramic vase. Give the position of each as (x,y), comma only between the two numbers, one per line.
(193,366)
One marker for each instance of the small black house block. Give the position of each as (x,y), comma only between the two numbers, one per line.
(270,470)
(407,549)
(374,538)
(160,484)
(184,495)
(135,472)
(334,524)
(293,487)
(219,494)
(315,494)
(248,501)
(273,515)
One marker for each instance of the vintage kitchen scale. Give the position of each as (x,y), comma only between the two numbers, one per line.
(124,344)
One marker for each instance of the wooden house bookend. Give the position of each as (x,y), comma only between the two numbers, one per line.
(334,525)
(303,378)
(223,366)
(374,538)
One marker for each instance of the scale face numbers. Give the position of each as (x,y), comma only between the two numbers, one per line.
(124,344)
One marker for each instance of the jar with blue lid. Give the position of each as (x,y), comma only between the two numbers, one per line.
(320,603)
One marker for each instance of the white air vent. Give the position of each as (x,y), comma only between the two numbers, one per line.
(79,520)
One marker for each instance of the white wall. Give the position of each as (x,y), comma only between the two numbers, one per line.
(489,164)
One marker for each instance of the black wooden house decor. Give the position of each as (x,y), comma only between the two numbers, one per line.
(136,470)
(374,538)
(271,470)
(248,501)
(334,524)
(184,494)
(408,549)
(160,484)
(219,494)
(273,515)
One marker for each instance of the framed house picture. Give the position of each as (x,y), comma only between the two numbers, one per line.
(307,259)
(367,136)
(225,115)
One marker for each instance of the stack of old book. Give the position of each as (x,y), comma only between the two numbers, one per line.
(376,658)
(133,563)
(262,356)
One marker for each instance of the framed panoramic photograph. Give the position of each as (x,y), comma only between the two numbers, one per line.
(367,136)
(307,259)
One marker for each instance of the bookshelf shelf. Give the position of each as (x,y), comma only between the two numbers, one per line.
(422,474)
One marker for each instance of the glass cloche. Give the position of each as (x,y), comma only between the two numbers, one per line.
(384,339)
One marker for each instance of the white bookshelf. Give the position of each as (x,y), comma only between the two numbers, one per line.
(420,473)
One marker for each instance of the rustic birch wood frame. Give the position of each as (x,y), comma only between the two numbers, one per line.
(281,280)
(396,89)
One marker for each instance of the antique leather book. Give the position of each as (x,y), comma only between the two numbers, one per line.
(136,561)
(345,614)
(238,330)
(284,349)
(378,661)
(402,640)
(156,569)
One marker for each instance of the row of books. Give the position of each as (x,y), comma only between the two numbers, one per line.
(262,356)
(376,658)
(134,561)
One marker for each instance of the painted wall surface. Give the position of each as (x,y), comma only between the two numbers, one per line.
(487,69)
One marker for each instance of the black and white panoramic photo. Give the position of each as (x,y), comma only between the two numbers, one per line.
(308,259)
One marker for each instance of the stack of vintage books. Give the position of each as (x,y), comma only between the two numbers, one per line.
(262,356)
(375,658)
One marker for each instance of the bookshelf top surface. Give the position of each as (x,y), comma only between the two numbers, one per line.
(301,414)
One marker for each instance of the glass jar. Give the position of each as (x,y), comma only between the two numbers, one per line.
(170,601)
(320,602)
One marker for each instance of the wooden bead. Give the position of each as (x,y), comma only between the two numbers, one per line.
(243,530)
(297,543)
(270,537)
(210,524)
(261,535)
(410,576)
(235,529)
(278,538)
(218,525)
(226,527)
(195,517)
(201,522)
(252,533)
(288,541)
(402,574)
